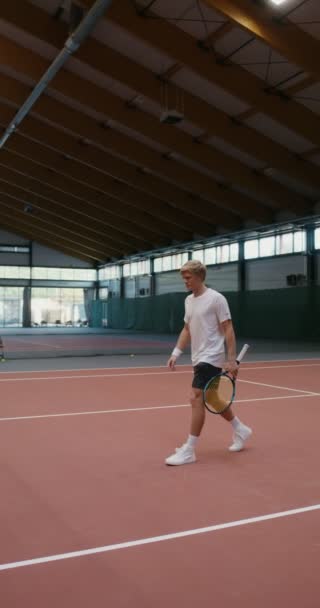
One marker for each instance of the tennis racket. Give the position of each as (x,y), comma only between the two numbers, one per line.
(219,392)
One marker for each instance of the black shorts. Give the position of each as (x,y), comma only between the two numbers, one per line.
(203,372)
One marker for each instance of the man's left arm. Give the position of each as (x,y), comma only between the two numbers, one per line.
(230,339)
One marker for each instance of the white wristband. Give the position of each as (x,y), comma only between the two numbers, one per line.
(176,352)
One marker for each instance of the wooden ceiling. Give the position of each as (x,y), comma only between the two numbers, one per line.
(93,172)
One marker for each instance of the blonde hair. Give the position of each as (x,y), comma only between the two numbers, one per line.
(195,267)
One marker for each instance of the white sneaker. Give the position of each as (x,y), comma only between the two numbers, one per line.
(239,438)
(183,455)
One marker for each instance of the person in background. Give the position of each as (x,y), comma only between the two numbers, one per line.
(208,326)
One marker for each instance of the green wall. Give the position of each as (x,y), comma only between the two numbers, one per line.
(290,313)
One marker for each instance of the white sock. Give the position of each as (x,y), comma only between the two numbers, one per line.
(191,441)
(236,424)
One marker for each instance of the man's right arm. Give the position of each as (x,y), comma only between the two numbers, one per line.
(182,343)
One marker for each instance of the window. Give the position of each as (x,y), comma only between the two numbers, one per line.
(317,238)
(221,254)
(11,306)
(267,246)
(251,249)
(284,243)
(210,255)
(13,249)
(109,272)
(299,241)
(167,262)
(103,293)
(47,273)
(170,262)
(144,267)
(234,252)
(198,254)
(56,306)
(14,272)
(133,269)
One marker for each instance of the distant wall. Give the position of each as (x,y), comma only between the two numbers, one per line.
(41,255)
(290,313)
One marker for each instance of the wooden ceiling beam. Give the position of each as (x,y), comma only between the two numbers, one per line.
(47,224)
(71,85)
(81,225)
(63,116)
(194,180)
(85,180)
(170,72)
(49,183)
(82,211)
(233,78)
(308,81)
(282,35)
(111,191)
(139,78)
(33,228)
(219,33)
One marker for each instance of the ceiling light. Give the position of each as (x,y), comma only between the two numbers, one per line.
(277,1)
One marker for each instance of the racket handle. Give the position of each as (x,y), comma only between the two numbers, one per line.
(242,353)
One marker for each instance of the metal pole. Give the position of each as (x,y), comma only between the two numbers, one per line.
(71,45)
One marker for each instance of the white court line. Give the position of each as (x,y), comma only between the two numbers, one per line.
(284,388)
(157,539)
(25,341)
(95,369)
(92,376)
(150,408)
(168,372)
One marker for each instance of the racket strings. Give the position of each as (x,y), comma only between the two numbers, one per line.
(219,393)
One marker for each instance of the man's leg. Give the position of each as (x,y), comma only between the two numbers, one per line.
(241,432)
(198,412)
(185,454)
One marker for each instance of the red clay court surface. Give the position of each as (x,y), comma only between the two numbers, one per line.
(92,517)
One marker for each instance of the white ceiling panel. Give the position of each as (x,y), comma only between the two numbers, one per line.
(220,144)
(129,45)
(200,22)
(307,17)
(213,94)
(232,41)
(171,10)
(151,143)
(190,128)
(201,168)
(293,184)
(310,97)
(48,5)
(279,133)
(99,79)
(27,41)
(259,59)
(293,81)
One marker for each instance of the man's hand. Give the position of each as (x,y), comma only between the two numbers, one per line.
(172,362)
(232,367)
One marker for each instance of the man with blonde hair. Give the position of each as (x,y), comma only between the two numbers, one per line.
(208,326)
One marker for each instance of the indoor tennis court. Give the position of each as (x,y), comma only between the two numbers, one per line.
(159,303)
(97,516)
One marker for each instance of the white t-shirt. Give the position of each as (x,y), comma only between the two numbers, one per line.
(203,314)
